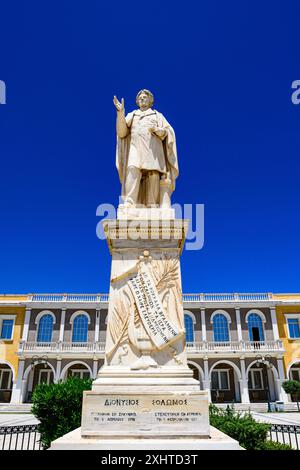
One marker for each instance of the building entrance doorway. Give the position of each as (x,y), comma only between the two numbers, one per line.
(5,383)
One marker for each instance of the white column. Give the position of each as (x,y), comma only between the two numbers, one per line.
(237,388)
(238,324)
(281,369)
(97,326)
(274,386)
(203,324)
(282,393)
(274,323)
(62,325)
(26,324)
(95,368)
(206,381)
(16,396)
(23,390)
(30,378)
(244,383)
(58,370)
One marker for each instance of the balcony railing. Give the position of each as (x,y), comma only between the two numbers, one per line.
(193,347)
(234,346)
(68,297)
(61,347)
(227,297)
(93,298)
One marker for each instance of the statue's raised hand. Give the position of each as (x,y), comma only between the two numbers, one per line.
(119,106)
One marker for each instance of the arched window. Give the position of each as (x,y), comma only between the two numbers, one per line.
(189,328)
(80,329)
(220,327)
(255,327)
(45,329)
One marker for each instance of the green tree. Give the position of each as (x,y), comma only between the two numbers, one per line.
(292,387)
(58,407)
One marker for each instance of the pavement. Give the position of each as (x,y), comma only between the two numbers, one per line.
(17,419)
(277,418)
(16,415)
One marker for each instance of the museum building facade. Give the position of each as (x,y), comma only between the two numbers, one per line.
(236,343)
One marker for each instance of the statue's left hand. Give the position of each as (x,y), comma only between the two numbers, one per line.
(157,131)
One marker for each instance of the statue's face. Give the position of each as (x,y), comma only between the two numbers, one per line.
(143,101)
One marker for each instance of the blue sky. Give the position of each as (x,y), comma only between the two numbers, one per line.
(221,73)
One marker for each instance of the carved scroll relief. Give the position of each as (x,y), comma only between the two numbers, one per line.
(159,328)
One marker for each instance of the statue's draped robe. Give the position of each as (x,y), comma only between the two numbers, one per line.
(145,150)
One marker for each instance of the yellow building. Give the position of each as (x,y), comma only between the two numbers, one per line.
(12,314)
(263,347)
(288,320)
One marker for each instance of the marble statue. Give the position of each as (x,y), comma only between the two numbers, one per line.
(145,326)
(146,156)
(145,395)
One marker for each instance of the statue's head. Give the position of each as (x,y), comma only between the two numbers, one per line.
(144,99)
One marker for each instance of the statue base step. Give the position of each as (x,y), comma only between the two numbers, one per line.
(74,441)
(163,374)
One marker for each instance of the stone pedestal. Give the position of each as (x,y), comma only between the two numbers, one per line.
(145,396)
(145,326)
(145,405)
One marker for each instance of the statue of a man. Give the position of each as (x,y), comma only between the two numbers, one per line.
(146,153)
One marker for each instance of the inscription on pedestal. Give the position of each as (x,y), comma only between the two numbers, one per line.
(148,303)
(145,414)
